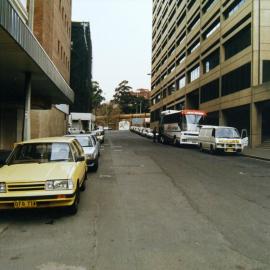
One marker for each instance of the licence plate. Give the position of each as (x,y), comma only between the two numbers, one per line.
(25,204)
(230,150)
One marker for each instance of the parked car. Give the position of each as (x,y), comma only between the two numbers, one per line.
(99,133)
(47,172)
(222,139)
(90,148)
(96,142)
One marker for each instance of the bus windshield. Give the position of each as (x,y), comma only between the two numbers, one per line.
(191,121)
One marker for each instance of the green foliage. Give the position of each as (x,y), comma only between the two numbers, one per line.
(96,95)
(127,102)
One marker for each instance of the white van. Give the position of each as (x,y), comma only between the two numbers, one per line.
(223,139)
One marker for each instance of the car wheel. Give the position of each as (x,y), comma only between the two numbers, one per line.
(212,151)
(73,209)
(201,148)
(95,168)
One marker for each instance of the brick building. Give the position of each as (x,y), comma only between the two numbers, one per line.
(142,93)
(52,27)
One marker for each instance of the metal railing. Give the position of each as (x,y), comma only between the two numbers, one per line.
(13,24)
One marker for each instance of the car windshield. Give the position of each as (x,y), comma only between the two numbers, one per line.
(85,141)
(40,153)
(227,133)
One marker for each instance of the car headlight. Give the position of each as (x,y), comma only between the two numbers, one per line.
(3,188)
(59,185)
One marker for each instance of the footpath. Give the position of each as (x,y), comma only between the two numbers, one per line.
(257,153)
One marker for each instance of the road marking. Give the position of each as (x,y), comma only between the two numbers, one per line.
(105,176)
(57,266)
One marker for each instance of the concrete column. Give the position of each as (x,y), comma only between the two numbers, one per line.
(27,108)
(255,125)
(222,118)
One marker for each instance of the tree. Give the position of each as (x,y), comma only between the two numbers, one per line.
(128,102)
(96,95)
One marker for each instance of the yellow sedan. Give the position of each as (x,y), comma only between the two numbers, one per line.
(47,172)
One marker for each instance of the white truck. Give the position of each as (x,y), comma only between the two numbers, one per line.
(80,123)
(222,139)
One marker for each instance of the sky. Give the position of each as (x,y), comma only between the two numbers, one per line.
(121,39)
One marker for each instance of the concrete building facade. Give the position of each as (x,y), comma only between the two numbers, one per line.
(213,55)
(28,77)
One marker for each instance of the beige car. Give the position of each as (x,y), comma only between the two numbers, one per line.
(48,172)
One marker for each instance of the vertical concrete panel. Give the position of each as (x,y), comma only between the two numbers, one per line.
(255,125)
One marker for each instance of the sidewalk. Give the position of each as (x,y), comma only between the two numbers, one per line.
(258,153)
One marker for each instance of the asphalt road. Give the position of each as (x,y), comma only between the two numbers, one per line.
(151,206)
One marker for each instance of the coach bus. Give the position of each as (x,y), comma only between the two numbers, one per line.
(180,127)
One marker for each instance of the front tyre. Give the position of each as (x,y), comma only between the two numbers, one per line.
(73,209)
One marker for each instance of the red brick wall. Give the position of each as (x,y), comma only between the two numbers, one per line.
(52,26)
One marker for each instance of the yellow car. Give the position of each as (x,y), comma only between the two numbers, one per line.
(47,172)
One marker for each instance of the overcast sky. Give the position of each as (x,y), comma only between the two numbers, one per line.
(121,38)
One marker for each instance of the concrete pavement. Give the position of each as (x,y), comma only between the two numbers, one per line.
(151,206)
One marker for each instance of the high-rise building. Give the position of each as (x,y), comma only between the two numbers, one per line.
(81,66)
(213,55)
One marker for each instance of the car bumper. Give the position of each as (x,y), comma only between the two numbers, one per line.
(8,201)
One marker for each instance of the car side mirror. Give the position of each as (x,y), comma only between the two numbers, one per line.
(80,158)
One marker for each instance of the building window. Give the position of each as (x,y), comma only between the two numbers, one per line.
(194,23)
(171,88)
(194,46)
(208,5)
(266,71)
(210,91)
(233,8)
(211,29)
(238,42)
(211,61)
(181,82)
(236,80)
(194,74)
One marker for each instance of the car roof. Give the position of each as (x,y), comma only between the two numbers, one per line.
(49,140)
(79,135)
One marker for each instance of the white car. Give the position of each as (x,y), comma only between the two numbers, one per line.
(90,148)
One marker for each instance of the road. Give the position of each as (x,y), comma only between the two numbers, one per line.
(151,206)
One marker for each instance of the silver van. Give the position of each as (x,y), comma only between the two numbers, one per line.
(222,139)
